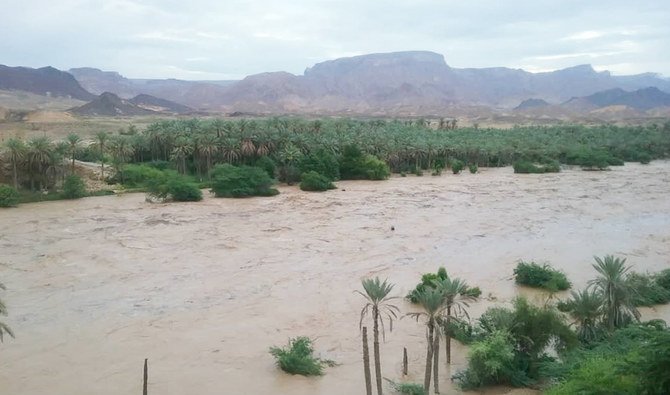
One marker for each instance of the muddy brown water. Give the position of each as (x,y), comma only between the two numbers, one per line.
(203,289)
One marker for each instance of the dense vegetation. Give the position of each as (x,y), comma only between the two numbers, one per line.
(285,148)
(592,342)
(298,358)
(540,276)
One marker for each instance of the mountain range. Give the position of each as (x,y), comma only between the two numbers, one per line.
(395,84)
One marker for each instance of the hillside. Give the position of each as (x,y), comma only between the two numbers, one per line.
(109,104)
(195,94)
(46,81)
(153,103)
(641,99)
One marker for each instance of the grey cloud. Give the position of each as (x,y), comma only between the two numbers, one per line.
(202,39)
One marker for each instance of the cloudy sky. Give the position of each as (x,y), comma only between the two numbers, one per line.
(229,39)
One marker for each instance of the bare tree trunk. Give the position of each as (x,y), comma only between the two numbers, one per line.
(436,359)
(146,377)
(378,364)
(366,362)
(429,357)
(16,176)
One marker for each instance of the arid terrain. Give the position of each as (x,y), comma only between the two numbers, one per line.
(204,289)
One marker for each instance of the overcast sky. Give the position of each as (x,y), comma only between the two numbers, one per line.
(229,39)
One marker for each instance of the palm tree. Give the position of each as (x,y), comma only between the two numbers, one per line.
(377,297)
(611,284)
(39,155)
(73,141)
(455,299)
(182,149)
(16,150)
(585,307)
(3,327)
(121,150)
(432,302)
(102,138)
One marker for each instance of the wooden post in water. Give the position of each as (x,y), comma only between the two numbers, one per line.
(366,362)
(146,377)
(404,361)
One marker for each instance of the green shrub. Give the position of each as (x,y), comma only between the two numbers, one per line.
(9,197)
(172,186)
(540,276)
(322,162)
(407,388)
(375,168)
(243,181)
(298,358)
(531,331)
(134,176)
(180,190)
(351,162)
(313,181)
(473,168)
(418,172)
(647,291)
(490,361)
(592,159)
(354,165)
(73,187)
(663,279)
(644,158)
(457,166)
(267,164)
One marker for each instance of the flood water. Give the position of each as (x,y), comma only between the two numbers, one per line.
(204,289)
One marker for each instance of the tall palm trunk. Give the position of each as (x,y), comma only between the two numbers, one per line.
(378,365)
(366,363)
(102,161)
(436,359)
(429,356)
(447,335)
(73,163)
(15,173)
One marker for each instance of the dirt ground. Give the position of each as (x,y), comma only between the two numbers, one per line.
(204,289)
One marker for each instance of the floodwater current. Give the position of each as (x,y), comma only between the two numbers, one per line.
(203,289)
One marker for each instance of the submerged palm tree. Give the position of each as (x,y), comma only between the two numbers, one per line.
(432,302)
(618,307)
(377,297)
(3,327)
(586,309)
(456,300)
